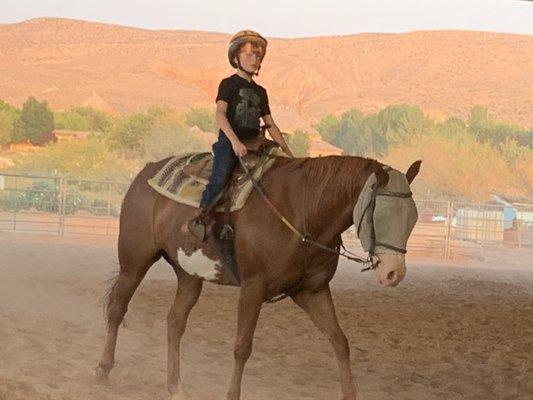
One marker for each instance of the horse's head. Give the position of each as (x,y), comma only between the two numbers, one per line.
(384,217)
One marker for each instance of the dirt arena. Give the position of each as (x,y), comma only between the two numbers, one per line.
(449,331)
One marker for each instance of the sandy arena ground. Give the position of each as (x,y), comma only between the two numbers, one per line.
(449,331)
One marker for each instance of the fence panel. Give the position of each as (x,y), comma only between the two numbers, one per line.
(60,205)
(29,203)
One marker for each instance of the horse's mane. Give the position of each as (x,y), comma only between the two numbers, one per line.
(338,177)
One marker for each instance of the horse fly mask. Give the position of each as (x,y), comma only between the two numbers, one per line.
(385,217)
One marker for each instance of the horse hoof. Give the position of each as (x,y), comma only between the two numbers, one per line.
(178,396)
(101,375)
(233,396)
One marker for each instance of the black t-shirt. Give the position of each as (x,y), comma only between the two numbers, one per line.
(247,102)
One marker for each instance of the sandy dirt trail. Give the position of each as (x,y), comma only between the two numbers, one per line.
(449,331)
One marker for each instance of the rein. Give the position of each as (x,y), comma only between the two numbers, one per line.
(307,239)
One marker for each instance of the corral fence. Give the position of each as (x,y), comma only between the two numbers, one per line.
(445,229)
(59,205)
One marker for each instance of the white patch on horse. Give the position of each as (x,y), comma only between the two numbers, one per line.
(198,264)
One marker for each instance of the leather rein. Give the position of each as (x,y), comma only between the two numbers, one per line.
(368,263)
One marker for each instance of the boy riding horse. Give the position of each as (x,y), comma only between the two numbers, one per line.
(240,104)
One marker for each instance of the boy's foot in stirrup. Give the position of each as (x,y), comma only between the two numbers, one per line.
(195,226)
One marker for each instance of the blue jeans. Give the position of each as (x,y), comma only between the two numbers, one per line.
(223,163)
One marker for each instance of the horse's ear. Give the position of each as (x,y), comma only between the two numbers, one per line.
(413,170)
(382,177)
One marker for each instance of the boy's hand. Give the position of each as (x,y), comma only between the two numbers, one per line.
(239,148)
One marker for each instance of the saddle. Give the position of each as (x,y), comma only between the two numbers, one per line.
(200,167)
(183,178)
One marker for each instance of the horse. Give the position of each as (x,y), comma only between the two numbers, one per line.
(314,194)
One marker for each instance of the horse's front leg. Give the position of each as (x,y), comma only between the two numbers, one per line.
(319,306)
(250,301)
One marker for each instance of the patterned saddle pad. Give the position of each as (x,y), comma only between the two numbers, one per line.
(184,177)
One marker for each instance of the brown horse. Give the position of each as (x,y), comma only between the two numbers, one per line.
(271,259)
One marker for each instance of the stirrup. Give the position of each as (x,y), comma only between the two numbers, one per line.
(197,228)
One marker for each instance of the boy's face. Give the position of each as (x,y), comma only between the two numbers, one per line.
(250,57)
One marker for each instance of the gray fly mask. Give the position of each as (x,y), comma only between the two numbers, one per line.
(385,217)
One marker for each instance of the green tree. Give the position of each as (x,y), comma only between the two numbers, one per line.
(328,128)
(403,123)
(71,120)
(451,127)
(35,120)
(6,128)
(13,112)
(98,120)
(511,151)
(486,129)
(203,118)
(374,142)
(126,134)
(353,132)
(169,140)
(298,142)
(349,133)
(479,118)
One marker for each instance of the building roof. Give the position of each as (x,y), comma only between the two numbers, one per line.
(321,148)
(209,137)
(64,133)
(517,202)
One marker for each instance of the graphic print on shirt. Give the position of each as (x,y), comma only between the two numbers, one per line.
(248,112)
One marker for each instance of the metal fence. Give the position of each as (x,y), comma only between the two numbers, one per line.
(445,229)
(59,205)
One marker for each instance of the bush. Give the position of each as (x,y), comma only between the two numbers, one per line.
(298,142)
(127,134)
(456,169)
(165,141)
(71,120)
(203,118)
(43,196)
(6,128)
(87,159)
(12,200)
(97,120)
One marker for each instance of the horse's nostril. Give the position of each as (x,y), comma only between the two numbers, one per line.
(392,275)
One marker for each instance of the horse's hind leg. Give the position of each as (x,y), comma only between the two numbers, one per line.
(133,268)
(189,289)
(319,307)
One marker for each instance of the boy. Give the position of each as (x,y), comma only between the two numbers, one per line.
(240,104)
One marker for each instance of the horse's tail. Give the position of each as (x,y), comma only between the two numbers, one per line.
(107,298)
(136,210)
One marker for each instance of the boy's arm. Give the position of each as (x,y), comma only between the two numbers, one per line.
(222,120)
(276,134)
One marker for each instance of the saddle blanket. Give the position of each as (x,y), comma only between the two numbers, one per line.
(184,177)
